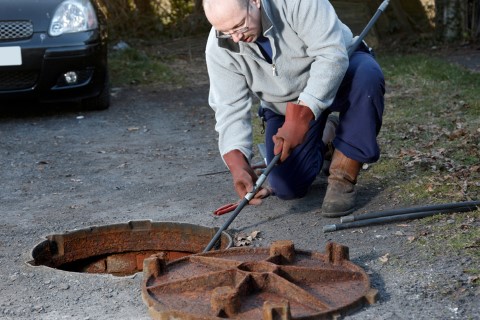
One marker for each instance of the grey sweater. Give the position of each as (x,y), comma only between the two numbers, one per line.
(309,60)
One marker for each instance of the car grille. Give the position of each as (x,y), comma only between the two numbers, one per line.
(15,30)
(17,80)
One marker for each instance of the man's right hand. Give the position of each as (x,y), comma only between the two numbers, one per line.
(243,176)
(293,131)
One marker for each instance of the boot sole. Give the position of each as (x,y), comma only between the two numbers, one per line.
(337,214)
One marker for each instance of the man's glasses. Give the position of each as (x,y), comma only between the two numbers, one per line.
(239,30)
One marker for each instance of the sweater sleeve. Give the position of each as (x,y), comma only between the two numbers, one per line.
(231,101)
(326,39)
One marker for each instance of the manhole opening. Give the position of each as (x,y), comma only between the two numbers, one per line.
(120,249)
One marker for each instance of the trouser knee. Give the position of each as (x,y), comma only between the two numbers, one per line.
(292,178)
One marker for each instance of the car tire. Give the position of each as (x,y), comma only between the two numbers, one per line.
(100,102)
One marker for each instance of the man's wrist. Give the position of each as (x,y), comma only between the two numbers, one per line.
(235,159)
(298,112)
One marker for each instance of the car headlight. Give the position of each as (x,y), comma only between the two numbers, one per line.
(73,16)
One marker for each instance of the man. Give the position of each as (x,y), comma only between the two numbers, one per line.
(292,55)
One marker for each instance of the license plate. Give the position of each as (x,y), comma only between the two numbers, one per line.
(10,56)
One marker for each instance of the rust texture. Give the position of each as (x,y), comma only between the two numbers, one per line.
(120,249)
(278,282)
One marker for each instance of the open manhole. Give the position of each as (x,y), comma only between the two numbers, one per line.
(278,282)
(120,249)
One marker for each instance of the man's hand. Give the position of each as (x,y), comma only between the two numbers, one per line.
(293,131)
(243,176)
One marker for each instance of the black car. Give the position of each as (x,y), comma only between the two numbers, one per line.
(54,51)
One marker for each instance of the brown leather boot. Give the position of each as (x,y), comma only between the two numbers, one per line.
(340,197)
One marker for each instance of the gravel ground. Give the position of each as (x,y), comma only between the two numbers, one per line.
(144,158)
(467,57)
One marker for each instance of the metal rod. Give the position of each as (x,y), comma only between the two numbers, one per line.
(369,26)
(212,173)
(449,207)
(398,217)
(244,202)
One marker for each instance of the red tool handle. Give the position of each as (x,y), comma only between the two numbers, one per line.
(225,209)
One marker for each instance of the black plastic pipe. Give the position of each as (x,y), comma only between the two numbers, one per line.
(445,208)
(406,215)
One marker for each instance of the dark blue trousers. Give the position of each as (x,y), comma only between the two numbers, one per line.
(360,104)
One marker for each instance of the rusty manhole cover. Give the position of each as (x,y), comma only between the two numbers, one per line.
(120,249)
(279,282)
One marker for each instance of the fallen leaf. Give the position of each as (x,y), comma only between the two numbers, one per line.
(384,258)
(254,234)
(457,134)
(359,231)
(473,279)
(475,168)
(410,239)
(242,239)
(132,128)
(242,243)
(474,244)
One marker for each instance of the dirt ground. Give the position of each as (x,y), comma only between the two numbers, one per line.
(146,158)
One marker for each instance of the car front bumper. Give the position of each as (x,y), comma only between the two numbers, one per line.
(45,60)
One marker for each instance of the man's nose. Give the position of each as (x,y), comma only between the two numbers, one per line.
(236,37)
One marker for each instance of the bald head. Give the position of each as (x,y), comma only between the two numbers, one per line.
(208,4)
(222,13)
(240,19)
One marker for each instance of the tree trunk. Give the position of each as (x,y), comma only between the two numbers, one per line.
(473,19)
(199,6)
(450,15)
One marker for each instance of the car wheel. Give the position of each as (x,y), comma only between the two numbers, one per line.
(100,102)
